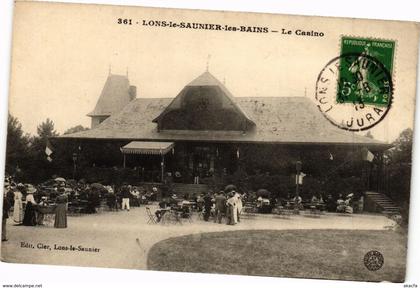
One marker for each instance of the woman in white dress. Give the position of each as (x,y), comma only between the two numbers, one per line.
(232,204)
(239,205)
(17,207)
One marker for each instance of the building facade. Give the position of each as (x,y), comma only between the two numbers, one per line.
(204,133)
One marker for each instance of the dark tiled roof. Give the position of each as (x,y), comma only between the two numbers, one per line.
(207,80)
(277,120)
(114,96)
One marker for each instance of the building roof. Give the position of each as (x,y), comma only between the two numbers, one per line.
(206,80)
(286,120)
(114,96)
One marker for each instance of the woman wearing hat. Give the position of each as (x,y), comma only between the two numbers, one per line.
(17,206)
(61,210)
(232,216)
(29,219)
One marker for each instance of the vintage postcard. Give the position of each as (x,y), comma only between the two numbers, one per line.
(206,141)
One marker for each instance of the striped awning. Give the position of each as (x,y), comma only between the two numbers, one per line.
(147,148)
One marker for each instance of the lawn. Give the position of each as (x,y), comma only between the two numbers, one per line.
(328,254)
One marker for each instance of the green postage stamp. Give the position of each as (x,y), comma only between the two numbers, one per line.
(362,78)
(354,90)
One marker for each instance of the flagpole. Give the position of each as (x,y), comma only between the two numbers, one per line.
(298,169)
(74,165)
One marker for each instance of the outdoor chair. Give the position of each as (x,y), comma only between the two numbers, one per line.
(314,210)
(187,215)
(172,217)
(200,214)
(75,209)
(152,219)
(249,211)
(281,211)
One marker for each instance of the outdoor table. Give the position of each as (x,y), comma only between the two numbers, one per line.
(164,214)
(281,211)
(77,207)
(47,213)
(316,208)
(249,210)
(186,203)
(292,206)
(171,215)
(176,216)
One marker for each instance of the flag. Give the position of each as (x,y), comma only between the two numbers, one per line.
(299,178)
(367,155)
(48,149)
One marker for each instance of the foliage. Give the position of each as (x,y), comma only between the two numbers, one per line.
(17,146)
(401,152)
(75,129)
(25,157)
(398,169)
(46,129)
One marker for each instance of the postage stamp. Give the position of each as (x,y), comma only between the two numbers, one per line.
(354,90)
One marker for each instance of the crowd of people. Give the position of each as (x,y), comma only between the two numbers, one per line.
(219,205)
(126,196)
(27,204)
(340,204)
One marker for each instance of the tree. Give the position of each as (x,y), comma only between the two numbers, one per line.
(75,129)
(402,148)
(40,168)
(46,129)
(17,146)
(398,170)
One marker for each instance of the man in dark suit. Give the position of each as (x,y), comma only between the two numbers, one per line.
(207,206)
(6,208)
(125,194)
(220,206)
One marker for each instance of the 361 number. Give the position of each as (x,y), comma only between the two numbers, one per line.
(124,21)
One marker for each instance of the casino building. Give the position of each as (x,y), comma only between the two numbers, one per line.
(204,133)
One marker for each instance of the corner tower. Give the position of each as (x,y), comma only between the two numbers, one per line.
(116,93)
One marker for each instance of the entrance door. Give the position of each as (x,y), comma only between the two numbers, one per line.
(203,161)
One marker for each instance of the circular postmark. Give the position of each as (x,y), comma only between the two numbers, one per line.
(354,91)
(373,260)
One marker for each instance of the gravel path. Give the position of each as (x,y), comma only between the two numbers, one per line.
(124,238)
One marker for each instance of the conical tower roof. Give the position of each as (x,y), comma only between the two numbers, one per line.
(114,96)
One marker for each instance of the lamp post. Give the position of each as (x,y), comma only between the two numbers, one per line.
(74,165)
(162,168)
(298,169)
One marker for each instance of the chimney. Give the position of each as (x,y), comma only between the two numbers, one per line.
(132,91)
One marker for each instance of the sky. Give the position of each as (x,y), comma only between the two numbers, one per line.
(61,56)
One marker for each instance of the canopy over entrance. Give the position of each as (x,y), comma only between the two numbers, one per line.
(147,148)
